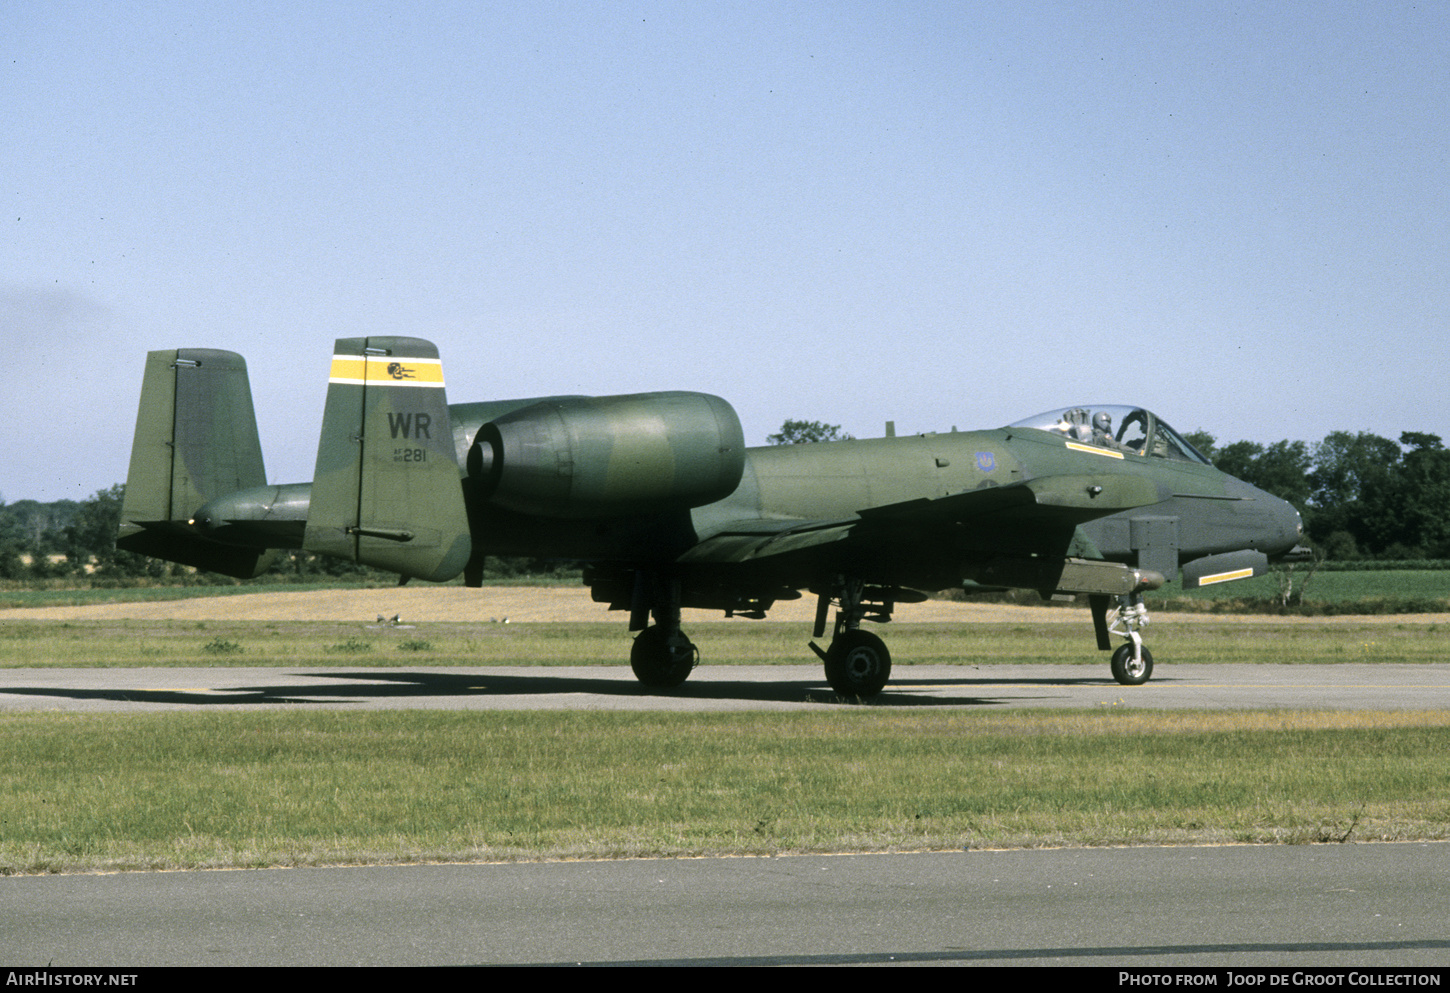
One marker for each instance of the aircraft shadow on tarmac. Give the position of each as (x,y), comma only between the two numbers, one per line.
(392,687)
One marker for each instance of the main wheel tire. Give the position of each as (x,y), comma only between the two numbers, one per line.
(658,663)
(1129,673)
(858,664)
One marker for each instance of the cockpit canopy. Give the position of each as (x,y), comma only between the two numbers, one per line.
(1117,428)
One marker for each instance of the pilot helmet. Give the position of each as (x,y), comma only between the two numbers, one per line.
(1103,421)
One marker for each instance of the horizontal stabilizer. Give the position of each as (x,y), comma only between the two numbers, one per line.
(175,543)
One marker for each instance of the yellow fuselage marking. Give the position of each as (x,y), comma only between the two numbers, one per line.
(1092,450)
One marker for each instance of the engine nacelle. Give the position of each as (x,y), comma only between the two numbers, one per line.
(592,457)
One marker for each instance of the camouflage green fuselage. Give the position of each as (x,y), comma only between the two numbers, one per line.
(1199,511)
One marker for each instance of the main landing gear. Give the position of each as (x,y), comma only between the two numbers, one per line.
(662,656)
(858,663)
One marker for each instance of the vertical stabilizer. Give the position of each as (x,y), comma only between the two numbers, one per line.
(196,439)
(388,491)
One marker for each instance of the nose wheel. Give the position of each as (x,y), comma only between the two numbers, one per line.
(1130,669)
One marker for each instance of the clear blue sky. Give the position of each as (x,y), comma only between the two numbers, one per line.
(938,213)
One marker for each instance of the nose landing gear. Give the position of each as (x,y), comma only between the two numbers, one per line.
(1132,664)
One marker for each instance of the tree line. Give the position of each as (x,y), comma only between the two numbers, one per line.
(1362,497)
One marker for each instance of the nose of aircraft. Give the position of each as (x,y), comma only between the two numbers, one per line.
(1290,526)
(1277,529)
(1283,526)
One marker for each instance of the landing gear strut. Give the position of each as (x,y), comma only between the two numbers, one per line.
(857,662)
(662,656)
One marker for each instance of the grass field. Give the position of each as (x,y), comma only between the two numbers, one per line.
(284,788)
(1340,585)
(310,643)
(106,791)
(1350,592)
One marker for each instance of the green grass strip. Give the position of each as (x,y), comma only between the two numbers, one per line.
(99,644)
(129,791)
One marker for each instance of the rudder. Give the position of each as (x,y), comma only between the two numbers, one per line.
(196,439)
(387,491)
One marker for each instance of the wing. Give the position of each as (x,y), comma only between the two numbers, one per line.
(1045,505)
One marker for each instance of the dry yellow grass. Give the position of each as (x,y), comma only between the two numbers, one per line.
(456,603)
(561,604)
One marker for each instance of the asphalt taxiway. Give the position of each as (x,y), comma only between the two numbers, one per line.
(1286,907)
(1351,686)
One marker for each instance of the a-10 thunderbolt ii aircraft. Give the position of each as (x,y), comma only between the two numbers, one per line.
(657,495)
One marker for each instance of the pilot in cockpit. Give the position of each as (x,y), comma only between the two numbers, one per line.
(1103,431)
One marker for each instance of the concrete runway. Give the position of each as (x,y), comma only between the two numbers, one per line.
(1349,686)
(1285,907)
